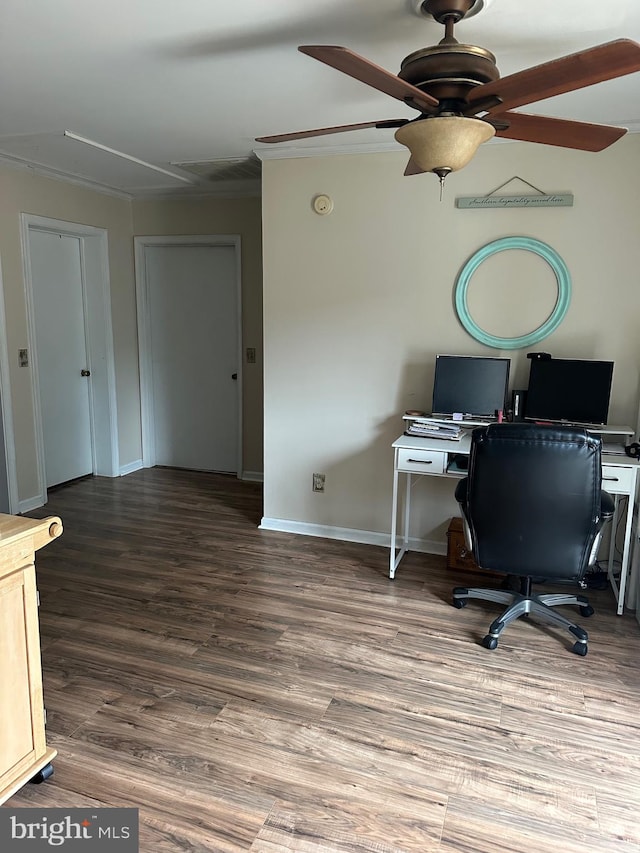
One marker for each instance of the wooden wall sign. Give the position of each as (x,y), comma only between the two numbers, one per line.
(484,202)
(492,201)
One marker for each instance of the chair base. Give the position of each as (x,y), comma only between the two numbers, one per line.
(519,604)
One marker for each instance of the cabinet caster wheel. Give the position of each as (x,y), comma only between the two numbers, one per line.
(580,649)
(490,642)
(459,603)
(587,610)
(42,775)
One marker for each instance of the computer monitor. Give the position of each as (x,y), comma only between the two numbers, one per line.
(566,389)
(473,386)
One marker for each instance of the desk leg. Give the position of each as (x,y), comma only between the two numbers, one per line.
(394,524)
(626,552)
(619,586)
(394,558)
(612,545)
(631,594)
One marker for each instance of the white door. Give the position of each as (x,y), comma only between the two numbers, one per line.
(5,501)
(192,303)
(61,351)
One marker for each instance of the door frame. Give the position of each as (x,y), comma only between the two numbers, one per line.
(141,244)
(8,451)
(94,268)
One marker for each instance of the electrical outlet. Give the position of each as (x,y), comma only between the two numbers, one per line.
(251,355)
(318,482)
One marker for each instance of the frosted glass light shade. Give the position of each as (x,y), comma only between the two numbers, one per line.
(444,142)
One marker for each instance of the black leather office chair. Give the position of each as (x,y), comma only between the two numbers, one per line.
(533,507)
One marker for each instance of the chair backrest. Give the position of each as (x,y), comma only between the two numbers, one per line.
(533,499)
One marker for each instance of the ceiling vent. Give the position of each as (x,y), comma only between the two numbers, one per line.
(237,169)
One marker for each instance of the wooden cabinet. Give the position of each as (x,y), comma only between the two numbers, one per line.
(23,749)
(458,555)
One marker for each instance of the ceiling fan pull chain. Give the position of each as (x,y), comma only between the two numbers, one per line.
(442,174)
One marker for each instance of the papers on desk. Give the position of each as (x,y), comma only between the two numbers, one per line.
(428,429)
(610,448)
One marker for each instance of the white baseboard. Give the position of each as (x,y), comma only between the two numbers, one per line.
(253,476)
(131,467)
(349,534)
(427,546)
(29,504)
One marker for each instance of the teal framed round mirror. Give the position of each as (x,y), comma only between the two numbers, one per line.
(554,319)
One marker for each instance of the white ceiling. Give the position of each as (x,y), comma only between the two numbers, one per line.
(198,80)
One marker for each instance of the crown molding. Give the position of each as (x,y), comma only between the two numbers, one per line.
(19,163)
(228,189)
(218,189)
(286,152)
(633,125)
(221,189)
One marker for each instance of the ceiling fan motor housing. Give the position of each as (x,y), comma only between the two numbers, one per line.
(449,71)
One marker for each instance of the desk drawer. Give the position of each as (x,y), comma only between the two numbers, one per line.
(421,461)
(617,479)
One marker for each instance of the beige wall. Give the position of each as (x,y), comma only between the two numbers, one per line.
(22,191)
(224,216)
(358,303)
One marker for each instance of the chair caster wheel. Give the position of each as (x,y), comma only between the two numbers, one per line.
(587,610)
(490,642)
(42,775)
(459,603)
(580,649)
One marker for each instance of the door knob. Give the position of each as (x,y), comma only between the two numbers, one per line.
(85,373)
(234,375)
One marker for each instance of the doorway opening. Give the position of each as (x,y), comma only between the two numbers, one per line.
(68,305)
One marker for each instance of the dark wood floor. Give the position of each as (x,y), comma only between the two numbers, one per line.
(259,691)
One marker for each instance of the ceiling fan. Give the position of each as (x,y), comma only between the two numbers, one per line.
(462,100)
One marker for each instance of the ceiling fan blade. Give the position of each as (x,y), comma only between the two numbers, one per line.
(585,68)
(556,131)
(413,168)
(345,60)
(324,131)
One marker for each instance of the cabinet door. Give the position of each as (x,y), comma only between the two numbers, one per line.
(21,716)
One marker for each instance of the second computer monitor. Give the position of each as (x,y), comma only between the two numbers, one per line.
(568,389)
(469,385)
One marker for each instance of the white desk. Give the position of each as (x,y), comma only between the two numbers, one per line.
(434,458)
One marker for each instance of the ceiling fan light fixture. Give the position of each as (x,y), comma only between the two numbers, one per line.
(444,143)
